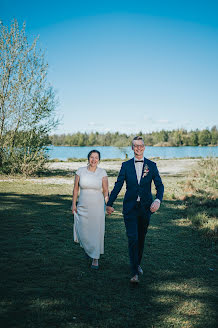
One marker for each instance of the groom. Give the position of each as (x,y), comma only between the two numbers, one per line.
(138,205)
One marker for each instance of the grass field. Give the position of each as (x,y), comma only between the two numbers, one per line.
(46,281)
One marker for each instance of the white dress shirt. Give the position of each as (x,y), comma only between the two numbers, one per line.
(138,168)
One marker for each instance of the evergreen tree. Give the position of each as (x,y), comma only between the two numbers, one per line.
(204,137)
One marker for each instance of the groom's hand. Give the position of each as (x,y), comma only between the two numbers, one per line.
(155,205)
(109,210)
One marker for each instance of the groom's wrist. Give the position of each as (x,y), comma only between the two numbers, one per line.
(157,200)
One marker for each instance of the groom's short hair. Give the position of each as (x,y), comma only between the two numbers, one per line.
(137,138)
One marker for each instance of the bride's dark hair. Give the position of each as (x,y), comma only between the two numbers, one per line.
(94,151)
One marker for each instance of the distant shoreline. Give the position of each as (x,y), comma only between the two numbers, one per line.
(75,160)
(163,138)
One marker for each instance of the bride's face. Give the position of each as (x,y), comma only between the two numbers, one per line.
(94,159)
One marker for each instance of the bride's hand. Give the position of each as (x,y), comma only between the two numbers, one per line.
(109,210)
(74,209)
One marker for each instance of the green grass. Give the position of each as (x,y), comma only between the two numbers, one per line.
(201,197)
(46,281)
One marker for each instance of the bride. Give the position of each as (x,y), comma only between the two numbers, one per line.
(89,213)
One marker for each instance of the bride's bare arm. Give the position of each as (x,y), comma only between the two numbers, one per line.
(75,193)
(105,188)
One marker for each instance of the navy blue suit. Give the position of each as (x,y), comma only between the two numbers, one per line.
(137,214)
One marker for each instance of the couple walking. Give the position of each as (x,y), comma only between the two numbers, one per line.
(138,205)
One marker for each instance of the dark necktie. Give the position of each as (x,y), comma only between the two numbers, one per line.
(139,161)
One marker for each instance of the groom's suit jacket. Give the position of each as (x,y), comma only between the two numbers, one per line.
(135,189)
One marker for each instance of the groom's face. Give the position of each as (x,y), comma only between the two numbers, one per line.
(138,148)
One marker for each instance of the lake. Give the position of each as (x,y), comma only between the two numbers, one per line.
(109,152)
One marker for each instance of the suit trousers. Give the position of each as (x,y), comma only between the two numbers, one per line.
(136,222)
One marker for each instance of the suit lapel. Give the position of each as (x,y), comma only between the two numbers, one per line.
(142,170)
(133,169)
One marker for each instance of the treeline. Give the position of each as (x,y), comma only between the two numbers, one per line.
(180,137)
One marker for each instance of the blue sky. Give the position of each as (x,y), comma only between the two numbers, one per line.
(127,65)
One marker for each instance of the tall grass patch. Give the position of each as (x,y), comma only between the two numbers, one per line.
(200,193)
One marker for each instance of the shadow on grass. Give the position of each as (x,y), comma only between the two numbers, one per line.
(67,173)
(202,210)
(178,175)
(47,282)
(56,173)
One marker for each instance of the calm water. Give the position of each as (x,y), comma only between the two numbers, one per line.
(63,153)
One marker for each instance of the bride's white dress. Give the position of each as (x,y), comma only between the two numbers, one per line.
(89,222)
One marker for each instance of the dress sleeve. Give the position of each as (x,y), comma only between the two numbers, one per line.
(78,172)
(103,173)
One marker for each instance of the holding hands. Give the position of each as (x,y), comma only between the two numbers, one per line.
(109,210)
(153,208)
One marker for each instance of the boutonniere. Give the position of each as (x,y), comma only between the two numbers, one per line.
(146,171)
